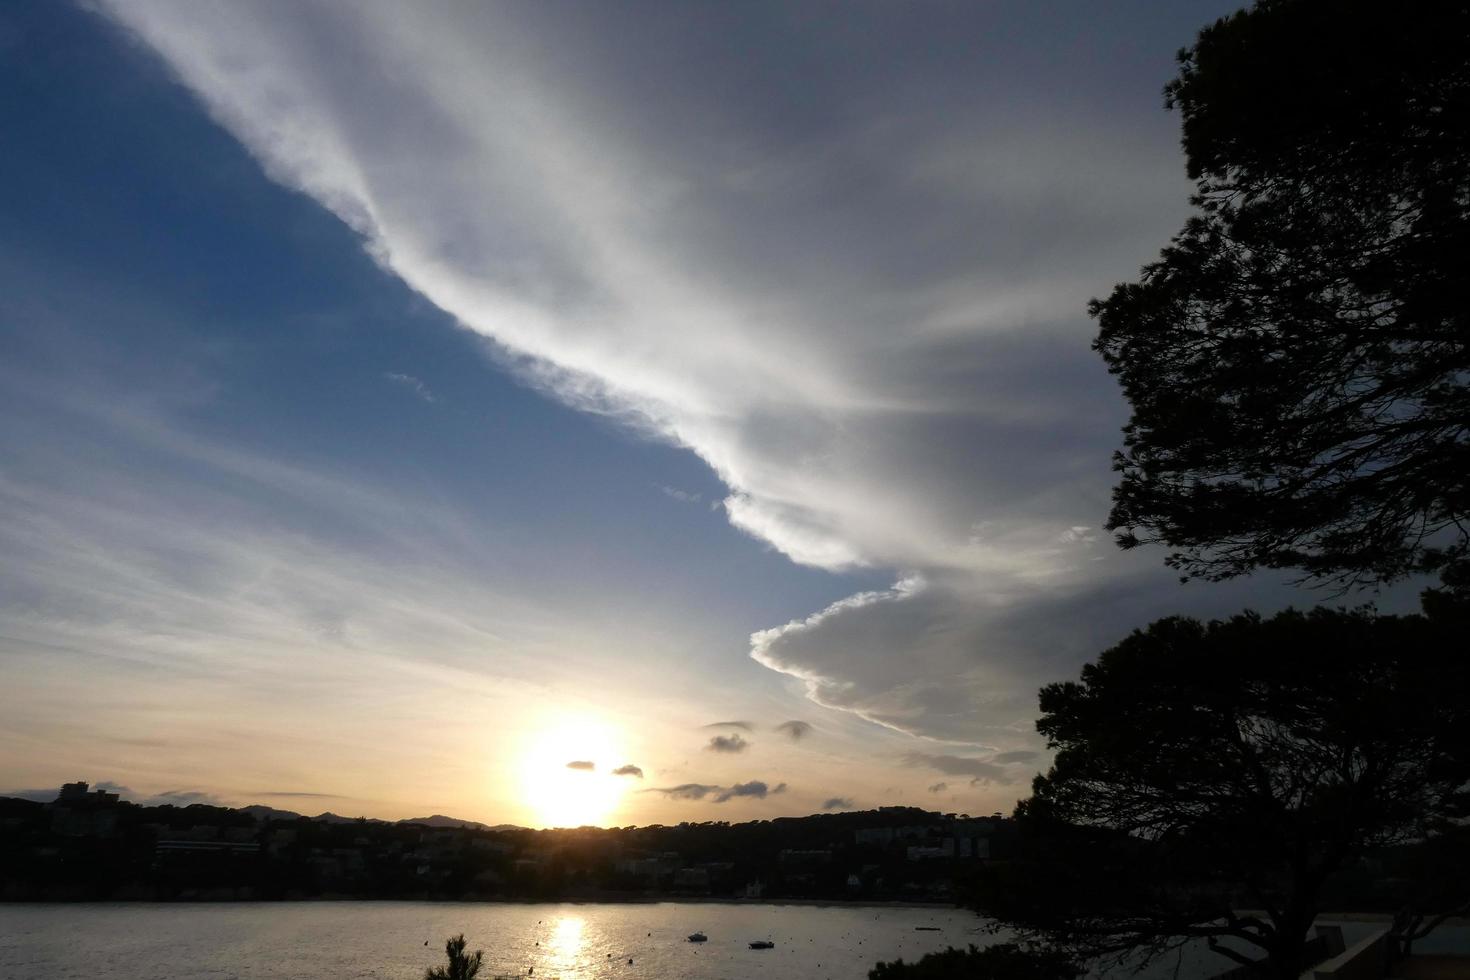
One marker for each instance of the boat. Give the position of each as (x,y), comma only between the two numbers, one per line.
(926,929)
(762,944)
(698,937)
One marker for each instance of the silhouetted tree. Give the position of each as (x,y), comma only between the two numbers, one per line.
(1204,768)
(1005,961)
(1298,360)
(462,966)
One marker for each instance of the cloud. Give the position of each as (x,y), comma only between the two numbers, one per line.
(181,797)
(939,787)
(837,803)
(742,725)
(727,744)
(1018,755)
(582,764)
(795,730)
(684,791)
(980,771)
(412,384)
(683,496)
(172,797)
(756,789)
(903,384)
(629,770)
(293,794)
(923,657)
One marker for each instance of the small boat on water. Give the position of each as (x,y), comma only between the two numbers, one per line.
(698,937)
(762,944)
(926,929)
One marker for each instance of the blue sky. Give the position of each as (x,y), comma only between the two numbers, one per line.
(395,400)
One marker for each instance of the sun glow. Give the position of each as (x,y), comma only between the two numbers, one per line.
(560,796)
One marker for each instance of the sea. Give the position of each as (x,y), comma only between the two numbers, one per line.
(400,940)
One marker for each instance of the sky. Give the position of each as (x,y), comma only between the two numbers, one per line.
(564,412)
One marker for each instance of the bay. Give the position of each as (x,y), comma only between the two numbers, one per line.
(399,940)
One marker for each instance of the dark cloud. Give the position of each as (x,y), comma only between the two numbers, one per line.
(629,770)
(181,797)
(837,803)
(744,726)
(685,791)
(582,765)
(171,797)
(727,743)
(797,730)
(722,794)
(754,788)
(939,787)
(979,770)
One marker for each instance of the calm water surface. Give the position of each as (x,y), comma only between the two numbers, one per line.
(348,940)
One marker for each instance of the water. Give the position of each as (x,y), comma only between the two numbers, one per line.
(352,940)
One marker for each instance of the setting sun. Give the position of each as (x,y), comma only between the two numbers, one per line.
(566,772)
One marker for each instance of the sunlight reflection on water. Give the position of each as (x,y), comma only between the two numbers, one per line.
(398,940)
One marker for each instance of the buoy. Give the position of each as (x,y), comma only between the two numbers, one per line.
(630,961)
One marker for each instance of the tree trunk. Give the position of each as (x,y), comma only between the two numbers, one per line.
(1288,947)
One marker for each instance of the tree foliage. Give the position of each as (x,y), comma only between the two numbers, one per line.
(1203,768)
(1298,360)
(462,965)
(1004,961)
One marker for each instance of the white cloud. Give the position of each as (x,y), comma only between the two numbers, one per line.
(412,384)
(868,324)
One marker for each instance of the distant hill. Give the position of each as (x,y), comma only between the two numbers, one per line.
(330,817)
(261,812)
(440,820)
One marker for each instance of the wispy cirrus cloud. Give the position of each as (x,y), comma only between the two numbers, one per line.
(412,384)
(682,496)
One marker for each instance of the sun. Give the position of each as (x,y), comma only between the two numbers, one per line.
(560,796)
